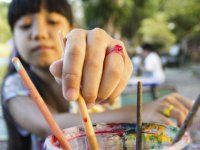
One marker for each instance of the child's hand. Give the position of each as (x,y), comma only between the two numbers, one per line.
(102,79)
(153,111)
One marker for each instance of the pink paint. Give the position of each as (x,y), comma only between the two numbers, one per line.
(117,49)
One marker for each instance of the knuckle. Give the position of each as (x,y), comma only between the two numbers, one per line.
(93,64)
(173,94)
(72,76)
(99,31)
(168,99)
(180,114)
(76,49)
(120,43)
(115,71)
(80,31)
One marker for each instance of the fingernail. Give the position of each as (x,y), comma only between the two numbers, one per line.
(71,94)
(89,105)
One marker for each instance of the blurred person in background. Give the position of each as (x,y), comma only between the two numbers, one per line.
(152,65)
(147,67)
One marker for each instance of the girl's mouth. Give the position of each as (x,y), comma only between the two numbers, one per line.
(42,49)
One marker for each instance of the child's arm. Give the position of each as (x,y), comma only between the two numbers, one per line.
(28,116)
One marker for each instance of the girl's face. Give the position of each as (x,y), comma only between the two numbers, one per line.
(36,37)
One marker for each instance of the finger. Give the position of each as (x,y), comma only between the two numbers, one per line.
(185,101)
(173,101)
(127,71)
(159,118)
(178,115)
(56,68)
(175,113)
(113,69)
(73,63)
(93,64)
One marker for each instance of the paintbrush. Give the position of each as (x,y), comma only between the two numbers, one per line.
(92,141)
(187,121)
(139,117)
(41,105)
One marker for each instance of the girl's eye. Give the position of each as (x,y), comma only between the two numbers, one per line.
(25,26)
(52,22)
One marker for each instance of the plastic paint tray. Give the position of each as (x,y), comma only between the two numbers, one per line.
(122,136)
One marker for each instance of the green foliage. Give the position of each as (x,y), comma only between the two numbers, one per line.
(185,15)
(155,30)
(98,13)
(5,33)
(141,9)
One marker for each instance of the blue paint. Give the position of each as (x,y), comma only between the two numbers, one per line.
(17,65)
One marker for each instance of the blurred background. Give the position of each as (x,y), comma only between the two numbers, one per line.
(171,26)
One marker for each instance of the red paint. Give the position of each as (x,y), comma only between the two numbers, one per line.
(111,125)
(85,119)
(54,142)
(171,145)
(120,134)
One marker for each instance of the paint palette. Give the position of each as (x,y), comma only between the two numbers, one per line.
(122,136)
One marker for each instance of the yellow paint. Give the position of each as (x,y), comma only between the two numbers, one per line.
(159,135)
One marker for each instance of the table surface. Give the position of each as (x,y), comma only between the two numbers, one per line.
(145,81)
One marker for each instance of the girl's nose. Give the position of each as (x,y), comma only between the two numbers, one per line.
(39,31)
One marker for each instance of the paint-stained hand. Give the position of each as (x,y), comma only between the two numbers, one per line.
(84,64)
(153,111)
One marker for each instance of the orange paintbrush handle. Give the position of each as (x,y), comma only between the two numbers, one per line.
(41,104)
(89,130)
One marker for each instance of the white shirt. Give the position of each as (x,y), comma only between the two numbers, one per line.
(153,64)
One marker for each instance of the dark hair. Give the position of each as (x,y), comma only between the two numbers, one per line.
(147,46)
(17,9)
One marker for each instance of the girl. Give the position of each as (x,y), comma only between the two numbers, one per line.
(35,25)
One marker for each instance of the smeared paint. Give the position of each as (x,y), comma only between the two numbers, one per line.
(85,119)
(123,135)
(158,137)
(174,131)
(17,65)
(55,142)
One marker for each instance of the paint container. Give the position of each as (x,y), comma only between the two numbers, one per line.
(122,136)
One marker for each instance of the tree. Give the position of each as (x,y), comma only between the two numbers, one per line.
(107,14)
(5,33)
(156,31)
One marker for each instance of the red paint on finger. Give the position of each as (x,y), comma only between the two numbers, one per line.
(85,119)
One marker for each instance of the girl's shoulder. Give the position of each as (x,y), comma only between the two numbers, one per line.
(13,86)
